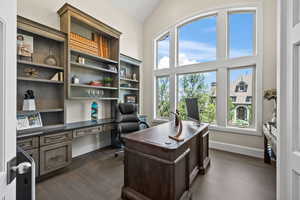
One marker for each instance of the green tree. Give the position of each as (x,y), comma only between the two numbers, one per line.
(163,97)
(194,86)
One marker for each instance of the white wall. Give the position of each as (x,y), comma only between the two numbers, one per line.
(170,12)
(45,12)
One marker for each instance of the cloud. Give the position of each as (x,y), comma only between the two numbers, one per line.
(164,62)
(235,53)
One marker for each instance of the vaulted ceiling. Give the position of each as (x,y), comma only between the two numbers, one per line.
(139,9)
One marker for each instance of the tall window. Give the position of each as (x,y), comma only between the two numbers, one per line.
(241,86)
(197,41)
(163,52)
(162,97)
(201,86)
(229,94)
(241,34)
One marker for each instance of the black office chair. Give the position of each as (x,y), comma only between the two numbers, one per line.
(128,122)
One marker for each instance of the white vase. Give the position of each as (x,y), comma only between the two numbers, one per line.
(29,105)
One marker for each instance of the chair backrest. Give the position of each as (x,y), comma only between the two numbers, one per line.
(127,118)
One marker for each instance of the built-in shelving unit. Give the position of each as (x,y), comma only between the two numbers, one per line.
(49,92)
(93,49)
(129,78)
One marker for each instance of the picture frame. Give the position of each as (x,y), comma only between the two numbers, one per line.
(24,45)
(130,98)
(28,121)
(123,72)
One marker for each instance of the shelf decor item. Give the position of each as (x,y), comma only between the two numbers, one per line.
(112,68)
(50,60)
(75,79)
(123,72)
(31,72)
(130,98)
(271,94)
(28,121)
(29,101)
(108,81)
(24,45)
(94,111)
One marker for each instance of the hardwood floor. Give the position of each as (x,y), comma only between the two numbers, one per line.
(99,176)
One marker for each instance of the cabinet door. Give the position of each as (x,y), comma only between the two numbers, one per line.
(34,153)
(54,157)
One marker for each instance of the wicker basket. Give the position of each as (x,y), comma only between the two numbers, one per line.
(80,43)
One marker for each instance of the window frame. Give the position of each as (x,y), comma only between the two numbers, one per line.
(254,94)
(221,65)
(156,50)
(242,10)
(194,19)
(157,94)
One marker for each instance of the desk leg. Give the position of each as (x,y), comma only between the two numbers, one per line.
(267,157)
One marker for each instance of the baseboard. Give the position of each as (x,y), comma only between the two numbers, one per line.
(233,148)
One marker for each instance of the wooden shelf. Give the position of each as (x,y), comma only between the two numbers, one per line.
(39,80)
(43,111)
(96,87)
(127,88)
(93,98)
(98,58)
(40,65)
(131,80)
(93,67)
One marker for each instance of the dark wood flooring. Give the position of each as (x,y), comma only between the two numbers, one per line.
(99,176)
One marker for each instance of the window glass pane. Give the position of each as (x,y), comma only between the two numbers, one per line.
(240,102)
(162,97)
(201,86)
(163,52)
(197,41)
(241,34)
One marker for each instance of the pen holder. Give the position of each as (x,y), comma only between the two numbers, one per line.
(29,105)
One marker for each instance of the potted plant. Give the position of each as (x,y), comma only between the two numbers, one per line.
(108,81)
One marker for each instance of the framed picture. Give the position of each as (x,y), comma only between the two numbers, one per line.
(24,45)
(130,98)
(123,72)
(30,120)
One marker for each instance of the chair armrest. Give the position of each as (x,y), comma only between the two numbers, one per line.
(144,123)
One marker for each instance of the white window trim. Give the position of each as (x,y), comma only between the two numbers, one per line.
(221,65)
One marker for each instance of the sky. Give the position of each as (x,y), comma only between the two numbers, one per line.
(198,40)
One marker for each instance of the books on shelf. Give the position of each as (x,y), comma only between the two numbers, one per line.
(104,50)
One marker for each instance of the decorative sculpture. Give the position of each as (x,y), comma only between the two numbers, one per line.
(178,123)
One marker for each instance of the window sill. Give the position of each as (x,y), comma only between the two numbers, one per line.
(235,130)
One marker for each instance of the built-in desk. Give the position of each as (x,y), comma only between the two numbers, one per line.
(158,168)
(51,147)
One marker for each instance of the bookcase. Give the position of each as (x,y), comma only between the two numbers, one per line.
(93,54)
(130,80)
(42,70)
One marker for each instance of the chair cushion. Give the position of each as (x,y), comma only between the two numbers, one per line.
(127,108)
(129,127)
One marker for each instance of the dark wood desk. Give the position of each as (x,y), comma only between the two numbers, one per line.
(158,168)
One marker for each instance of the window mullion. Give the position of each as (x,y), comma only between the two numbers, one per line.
(222,35)
(222,80)
(172,69)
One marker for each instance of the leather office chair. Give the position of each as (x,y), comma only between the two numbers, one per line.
(128,121)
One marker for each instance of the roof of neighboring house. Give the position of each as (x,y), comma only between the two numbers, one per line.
(241,96)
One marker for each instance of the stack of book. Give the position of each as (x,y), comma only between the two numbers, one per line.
(104,50)
(80,43)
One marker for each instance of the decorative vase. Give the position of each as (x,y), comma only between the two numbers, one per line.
(94,111)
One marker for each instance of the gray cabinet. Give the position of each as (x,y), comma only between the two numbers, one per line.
(55,156)
(28,143)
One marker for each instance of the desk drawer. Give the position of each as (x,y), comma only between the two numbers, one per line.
(55,138)
(87,131)
(28,143)
(54,157)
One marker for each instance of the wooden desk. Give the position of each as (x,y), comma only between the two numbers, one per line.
(157,170)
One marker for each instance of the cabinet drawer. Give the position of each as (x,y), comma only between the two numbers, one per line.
(28,143)
(55,138)
(87,131)
(54,157)
(34,153)
(107,128)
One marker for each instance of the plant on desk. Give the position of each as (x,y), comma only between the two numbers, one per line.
(108,81)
